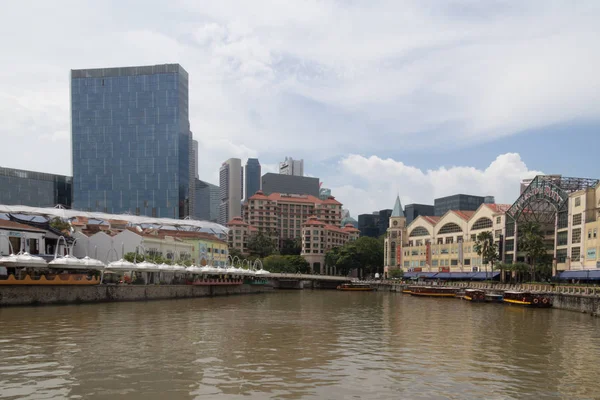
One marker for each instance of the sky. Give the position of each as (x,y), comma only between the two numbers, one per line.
(417,98)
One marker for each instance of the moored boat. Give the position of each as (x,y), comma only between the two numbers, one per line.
(433,291)
(408,289)
(356,287)
(527,299)
(474,295)
(493,298)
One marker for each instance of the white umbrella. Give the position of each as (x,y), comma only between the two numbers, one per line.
(178,268)
(165,268)
(27,260)
(146,266)
(262,272)
(91,263)
(206,270)
(121,265)
(232,271)
(8,261)
(66,262)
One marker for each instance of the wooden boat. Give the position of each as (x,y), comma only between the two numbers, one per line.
(493,298)
(409,289)
(434,291)
(527,299)
(474,295)
(356,287)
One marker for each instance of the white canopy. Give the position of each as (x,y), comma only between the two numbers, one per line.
(121,265)
(91,263)
(27,260)
(146,266)
(67,262)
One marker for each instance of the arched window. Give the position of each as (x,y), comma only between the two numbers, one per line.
(419,231)
(482,223)
(450,227)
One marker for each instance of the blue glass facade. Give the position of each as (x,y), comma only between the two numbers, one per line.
(35,189)
(253,171)
(131,140)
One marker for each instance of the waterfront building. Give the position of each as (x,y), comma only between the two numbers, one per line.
(230,183)
(35,189)
(131,141)
(291,167)
(412,211)
(239,234)
(319,237)
(253,177)
(208,198)
(207,249)
(464,202)
(394,237)
(21,237)
(290,184)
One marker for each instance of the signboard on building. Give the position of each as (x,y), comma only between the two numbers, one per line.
(418,269)
(591,253)
(444,269)
(399,256)
(428,253)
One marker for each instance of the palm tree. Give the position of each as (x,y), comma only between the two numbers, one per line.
(486,249)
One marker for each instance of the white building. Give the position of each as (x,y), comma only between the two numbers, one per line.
(230,183)
(291,167)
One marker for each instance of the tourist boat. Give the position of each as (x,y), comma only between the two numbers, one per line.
(475,295)
(527,299)
(409,289)
(493,298)
(356,287)
(433,291)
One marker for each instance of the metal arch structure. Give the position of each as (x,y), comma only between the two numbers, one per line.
(546,196)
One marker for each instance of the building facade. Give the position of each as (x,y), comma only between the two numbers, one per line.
(131,141)
(253,177)
(16,237)
(240,233)
(291,167)
(231,189)
(319,237)
(208,198)
(290,184)
(412,211)
(463,202)
(35,189)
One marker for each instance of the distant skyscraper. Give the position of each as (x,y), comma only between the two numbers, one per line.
(131,141)
(291,167)
(195,158)
(462,202)
(35,189)
(412,211)
(253,171)
(208,198)
(289,184)
(324,193)
(230,184)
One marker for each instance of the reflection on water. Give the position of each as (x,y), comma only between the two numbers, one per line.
(307,344)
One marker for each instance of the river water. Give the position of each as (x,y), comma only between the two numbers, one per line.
(298,344)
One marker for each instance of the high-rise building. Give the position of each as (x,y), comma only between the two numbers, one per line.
(291,167)
(230,184)
(463,202)
(131,141)
(208,198)
(324,193)
(412,211)
(289,184)
(195,158)
(35,189)
(368,225)
(253,171)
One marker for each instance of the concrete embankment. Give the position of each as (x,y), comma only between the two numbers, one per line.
(577,302)
(38,295)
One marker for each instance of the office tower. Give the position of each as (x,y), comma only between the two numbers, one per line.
(35,189)
(412,211)
(290,184)
(208,198)
(195,158)
(252,177)
(462,202)
(230,184)
(131,140)
(324,193)
(291,167)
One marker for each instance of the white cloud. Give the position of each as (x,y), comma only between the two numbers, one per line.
(317,80)
(378,181)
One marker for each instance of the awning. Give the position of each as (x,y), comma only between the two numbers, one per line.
(419,275)
(483,275)
(452,275)
(591,274)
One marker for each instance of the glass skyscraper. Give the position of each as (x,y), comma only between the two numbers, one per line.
(252,177)
(35,189)
(131,141)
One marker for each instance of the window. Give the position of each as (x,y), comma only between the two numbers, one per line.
(440,241)
(575,253)
(449,240)
(563,220)
(473,238)
(577,201)
(406,263)
(576,236)
(498,220)
(561,255)
(589,233)
(419,231)
(450,227)
(482,223)
(576,219)
(467,261)
(497,233)
(562,239)
(453,262)
(421,263)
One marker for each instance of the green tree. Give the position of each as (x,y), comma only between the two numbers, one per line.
(59,224)
(348,259)
(233,252)
(370,254)
(332,257)
(395,273)
(291,247)
(289,264)
(261,245)
(531,242)
(486,249)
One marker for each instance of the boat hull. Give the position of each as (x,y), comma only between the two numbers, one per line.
(356,289)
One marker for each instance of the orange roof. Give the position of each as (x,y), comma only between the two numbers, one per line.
(312,220)
(431,219)
(335,229)
(237,221)
(350,228)
(306,199)
(466,215)
(498,208)
(258,196)
(331,200)
(17,226)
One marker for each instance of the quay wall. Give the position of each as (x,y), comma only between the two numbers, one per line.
(39,295)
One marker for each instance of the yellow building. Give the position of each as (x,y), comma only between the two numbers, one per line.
(206,249)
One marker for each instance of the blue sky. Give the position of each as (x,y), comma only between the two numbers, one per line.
(381,97)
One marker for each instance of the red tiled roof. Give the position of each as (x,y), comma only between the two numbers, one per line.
(17,226)
(350,228)
(331,200)
(294,199)
(237,221)
(312,220)
(431,219)
(258,196)
(499,208)
(466,215)
(335,229)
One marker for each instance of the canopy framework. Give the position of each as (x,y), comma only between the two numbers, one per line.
(60,212)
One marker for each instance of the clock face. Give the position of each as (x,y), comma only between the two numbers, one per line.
(395,223)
